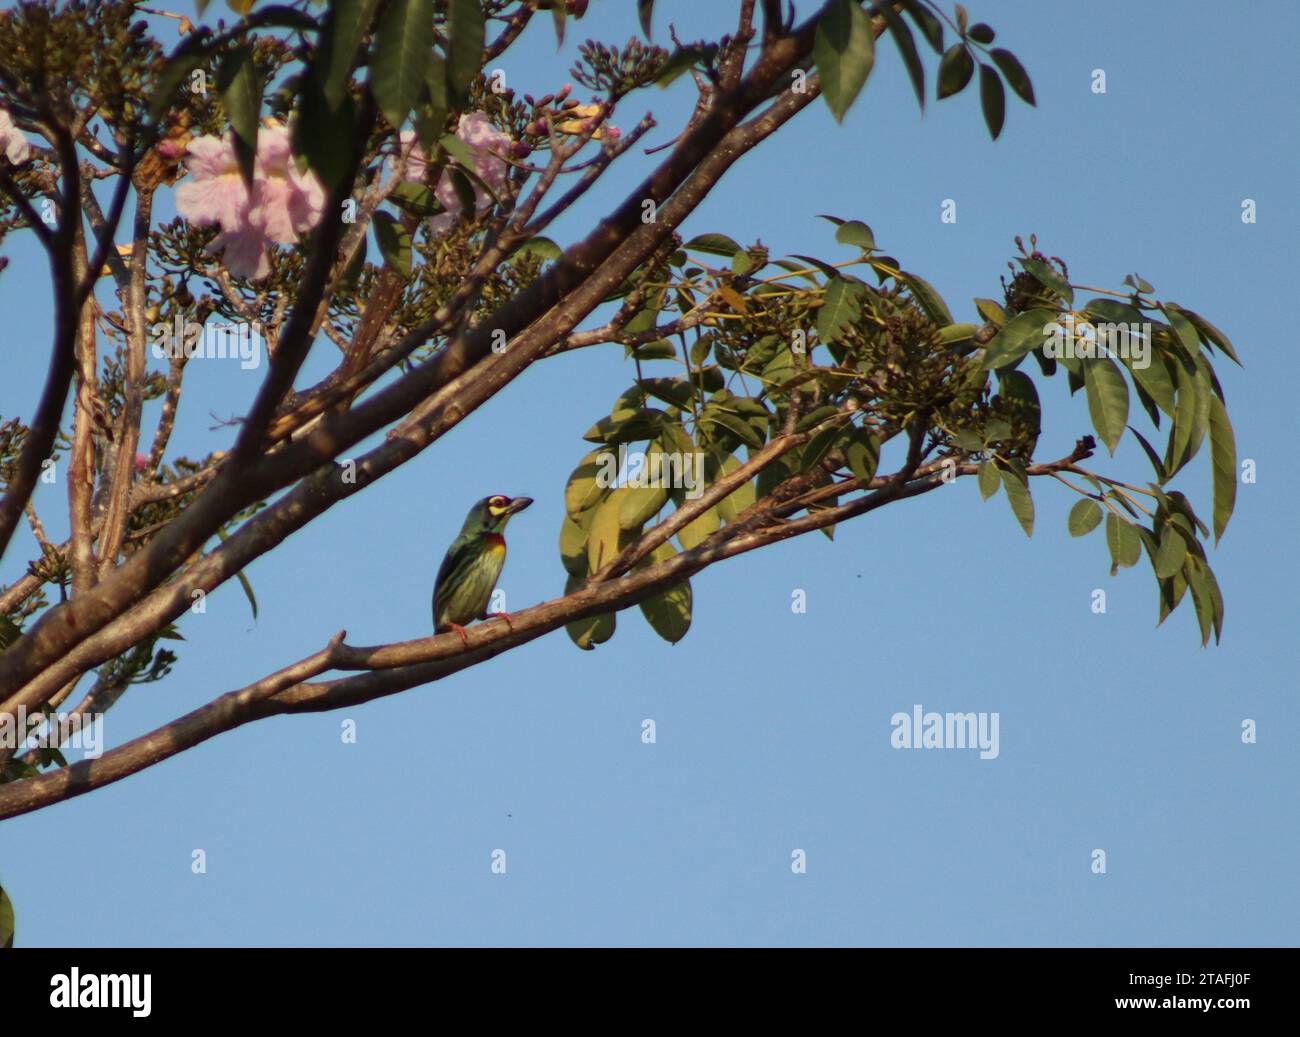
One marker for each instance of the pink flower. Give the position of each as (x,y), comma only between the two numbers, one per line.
(13,143)
(283,203)
(487,144)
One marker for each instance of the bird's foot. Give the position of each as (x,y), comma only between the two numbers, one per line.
(500,615)
(460,632)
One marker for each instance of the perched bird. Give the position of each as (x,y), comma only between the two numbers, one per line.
(473,564)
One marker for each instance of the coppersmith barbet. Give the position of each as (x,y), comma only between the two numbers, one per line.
(470,571)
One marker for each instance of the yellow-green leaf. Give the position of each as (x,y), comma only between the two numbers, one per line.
(703,525)
(1107,399)
(606,539)
(668,612)
(1223,460)
(590,481)
(1085,516)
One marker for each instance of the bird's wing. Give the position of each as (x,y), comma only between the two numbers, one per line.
(455,553)
(467,577)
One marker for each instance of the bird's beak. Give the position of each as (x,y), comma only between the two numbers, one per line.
(518,504)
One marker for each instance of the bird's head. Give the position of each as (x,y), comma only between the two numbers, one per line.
(491,514)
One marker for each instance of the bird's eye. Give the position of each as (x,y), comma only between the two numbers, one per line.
(497,503)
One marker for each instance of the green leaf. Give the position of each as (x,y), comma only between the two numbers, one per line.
(703,525)
(1171,595)
(1085,516)
(991,311)
(988,479)
(1203,596)
(959,337)
(863,455)
(584,489)
(1112,311)
(660,349)
(855,232)
(1017,337)
(955,70)
(415,199)
(829,271)
(606,537)
(992,100)
(431,112)
(1152,456)
(614,430)
(645,10)
(1123,541)
(907,50)
(573,546)
(668,612)
(844,49)
(640,504)
(1136,281)
(815,449)
(241,96)
(593,630)
(1022,504)
(1190,417)
(6,920)
(1184,332)
(402,47)
(323,135)
(1050,277)
(1155,380)
(930,301)
(248,592)
(1213,335)
(736,502)
(458,150)
(350,21)
(839,307)
(981,33)
(394,242)
(674,391)
(1015,73)
(1223,461)
(1171,553)
(684,58)
(558,17)
(468,29)
(1107,399)
(713,244)
(930,26)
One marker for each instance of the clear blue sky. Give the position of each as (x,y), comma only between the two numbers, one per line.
(773,727)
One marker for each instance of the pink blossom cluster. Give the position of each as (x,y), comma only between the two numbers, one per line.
(282,204)
(487,144)
(13,143)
